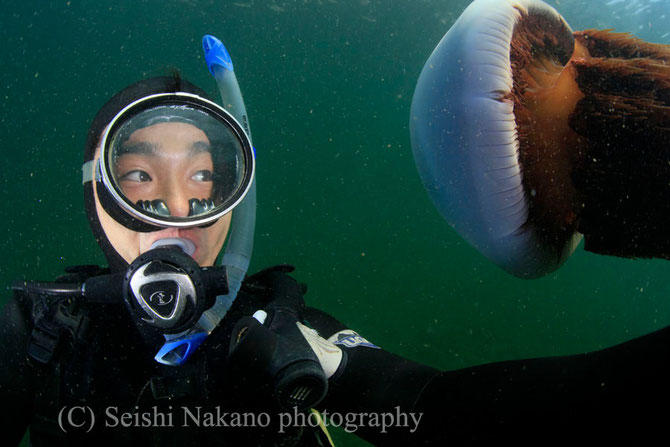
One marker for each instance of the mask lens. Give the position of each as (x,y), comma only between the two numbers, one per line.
(172,163)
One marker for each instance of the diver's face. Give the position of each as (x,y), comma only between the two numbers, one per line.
(171,162)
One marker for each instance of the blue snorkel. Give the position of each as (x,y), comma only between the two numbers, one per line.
(241,240)
(178,347)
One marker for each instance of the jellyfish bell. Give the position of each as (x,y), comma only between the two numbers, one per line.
(465,135)
(527,135)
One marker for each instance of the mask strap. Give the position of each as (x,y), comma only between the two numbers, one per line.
(90,171)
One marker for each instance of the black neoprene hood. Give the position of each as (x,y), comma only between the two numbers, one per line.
(106,113)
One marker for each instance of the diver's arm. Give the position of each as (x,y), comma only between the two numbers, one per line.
(615,394)
(380,379)
(369,379)
(612,394)
(609,395)
(16,373)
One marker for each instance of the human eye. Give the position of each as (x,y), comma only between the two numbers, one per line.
(203,175)
(136,175)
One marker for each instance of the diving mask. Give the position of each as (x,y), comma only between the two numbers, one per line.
(172,160)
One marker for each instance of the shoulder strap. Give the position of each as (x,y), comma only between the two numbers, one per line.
(53,321)
(55,316)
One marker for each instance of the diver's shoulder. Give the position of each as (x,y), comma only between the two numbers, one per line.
(80,273)
(265,276)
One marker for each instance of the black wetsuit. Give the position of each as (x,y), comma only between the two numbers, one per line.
(109,371)
(616,394)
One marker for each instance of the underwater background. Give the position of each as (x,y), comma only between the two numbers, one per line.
(328,86)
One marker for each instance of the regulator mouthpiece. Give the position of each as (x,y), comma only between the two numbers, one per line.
(185,245)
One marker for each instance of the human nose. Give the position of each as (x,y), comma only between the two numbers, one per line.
(177,200)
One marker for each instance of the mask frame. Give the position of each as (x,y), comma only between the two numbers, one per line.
(133,217)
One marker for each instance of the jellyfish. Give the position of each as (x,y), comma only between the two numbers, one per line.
(529,137)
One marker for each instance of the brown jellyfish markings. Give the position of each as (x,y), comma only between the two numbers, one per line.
(593,120)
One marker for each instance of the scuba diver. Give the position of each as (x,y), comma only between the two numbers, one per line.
(164,166)
(164,347)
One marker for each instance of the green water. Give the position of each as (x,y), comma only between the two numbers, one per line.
(328,85)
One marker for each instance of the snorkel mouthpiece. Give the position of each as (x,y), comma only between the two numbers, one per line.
(176,352)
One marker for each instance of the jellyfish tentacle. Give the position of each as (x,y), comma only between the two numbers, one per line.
(623,169)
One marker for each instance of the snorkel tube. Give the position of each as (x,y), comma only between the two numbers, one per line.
(179,347)
(241,241)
